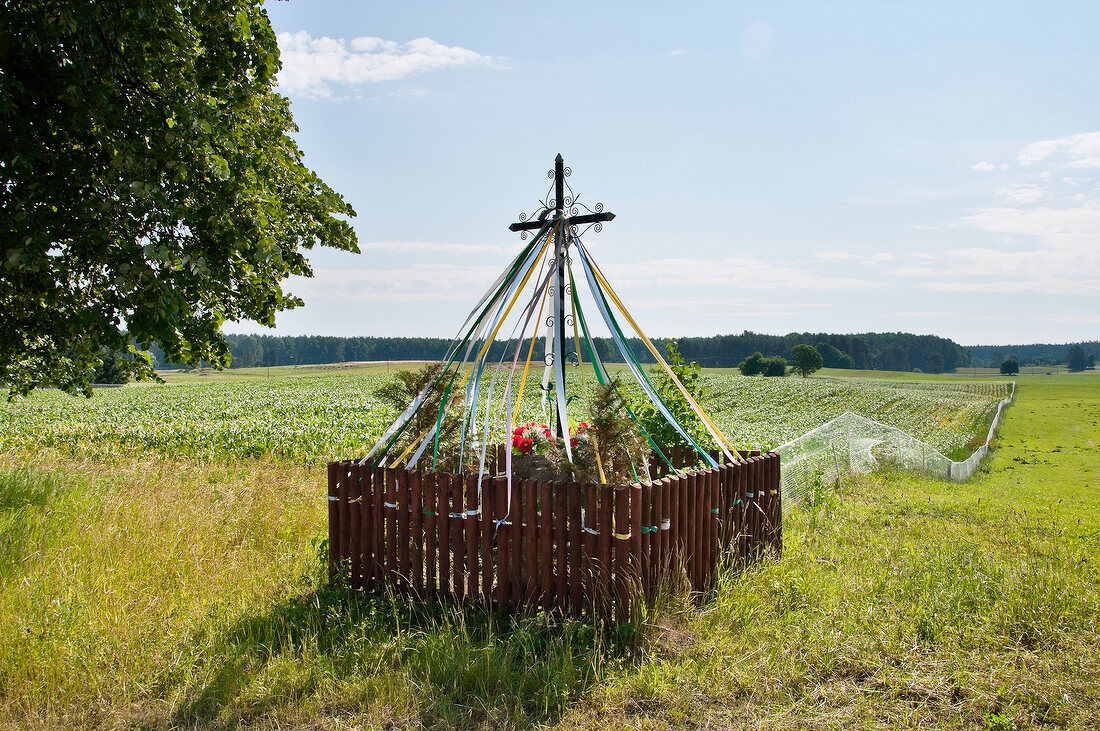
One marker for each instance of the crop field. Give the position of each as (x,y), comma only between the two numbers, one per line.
(161,567)
(315,418)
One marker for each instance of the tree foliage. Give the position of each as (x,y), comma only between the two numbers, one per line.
(806,359)
(753,365)
(149,188)
(776,366)
(653,422)
(1075,358)
(756,365)
(1010,366)
(112,368)
(832,357)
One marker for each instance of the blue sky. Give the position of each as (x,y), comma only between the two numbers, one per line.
(776,167)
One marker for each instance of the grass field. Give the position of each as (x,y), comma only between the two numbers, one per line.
(144,590)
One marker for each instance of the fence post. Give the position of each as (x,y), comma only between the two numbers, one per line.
(622,549)
(333,519)
(416,506)
(404,535)
(530,540)
(354,523)
(575,537)
(472,524)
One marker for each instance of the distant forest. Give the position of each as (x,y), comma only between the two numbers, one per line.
(867,351)
(992,356)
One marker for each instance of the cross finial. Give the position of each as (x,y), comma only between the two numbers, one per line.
(560,173)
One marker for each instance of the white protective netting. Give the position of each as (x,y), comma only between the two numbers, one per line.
(852,444)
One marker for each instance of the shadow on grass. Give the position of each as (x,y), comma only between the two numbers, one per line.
(343,653)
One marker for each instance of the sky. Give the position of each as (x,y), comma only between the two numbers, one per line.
(777,167)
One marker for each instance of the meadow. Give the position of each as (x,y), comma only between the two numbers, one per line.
(177,584)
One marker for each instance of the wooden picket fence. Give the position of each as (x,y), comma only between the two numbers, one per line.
(578,546)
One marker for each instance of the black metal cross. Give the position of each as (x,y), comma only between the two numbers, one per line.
(559,206)
(560,246)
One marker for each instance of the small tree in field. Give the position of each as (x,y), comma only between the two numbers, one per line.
(775,366)
(1075,358)
(1010,366)
(806,359)
(753,365)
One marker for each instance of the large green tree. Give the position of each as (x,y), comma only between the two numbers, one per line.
(1075,358)
(149,186)
(806,359)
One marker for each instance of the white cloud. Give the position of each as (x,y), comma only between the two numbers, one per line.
(1075,229)
(736,273)
(1081,150)
(983,166)
(1050,270)
(312,65)
(435,247)
(1048,226)
(1022,193)
(914,272)
(875,259)
(678,52)
(834,256)
(417,283)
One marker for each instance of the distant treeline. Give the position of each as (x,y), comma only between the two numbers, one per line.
(870,351)
(991,356)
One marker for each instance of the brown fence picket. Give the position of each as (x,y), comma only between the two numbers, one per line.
(416,526)
(401,579)
(515,556)
(688,519)
(500,487)
(574,533)
(443,525)
(486,527)
(559,517)
(756,511)
(429,487)
(546,544)
(655,533)
(666,525)
(635,543)
(355,501)
(714,520)
(742,511)
(470,523)
(342,514)
(622,547)
(458,539)
(605,515)
(390,538)
(676,526)
(334,520)
(361,477)
(530,541)
(588,544)
(778,516)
